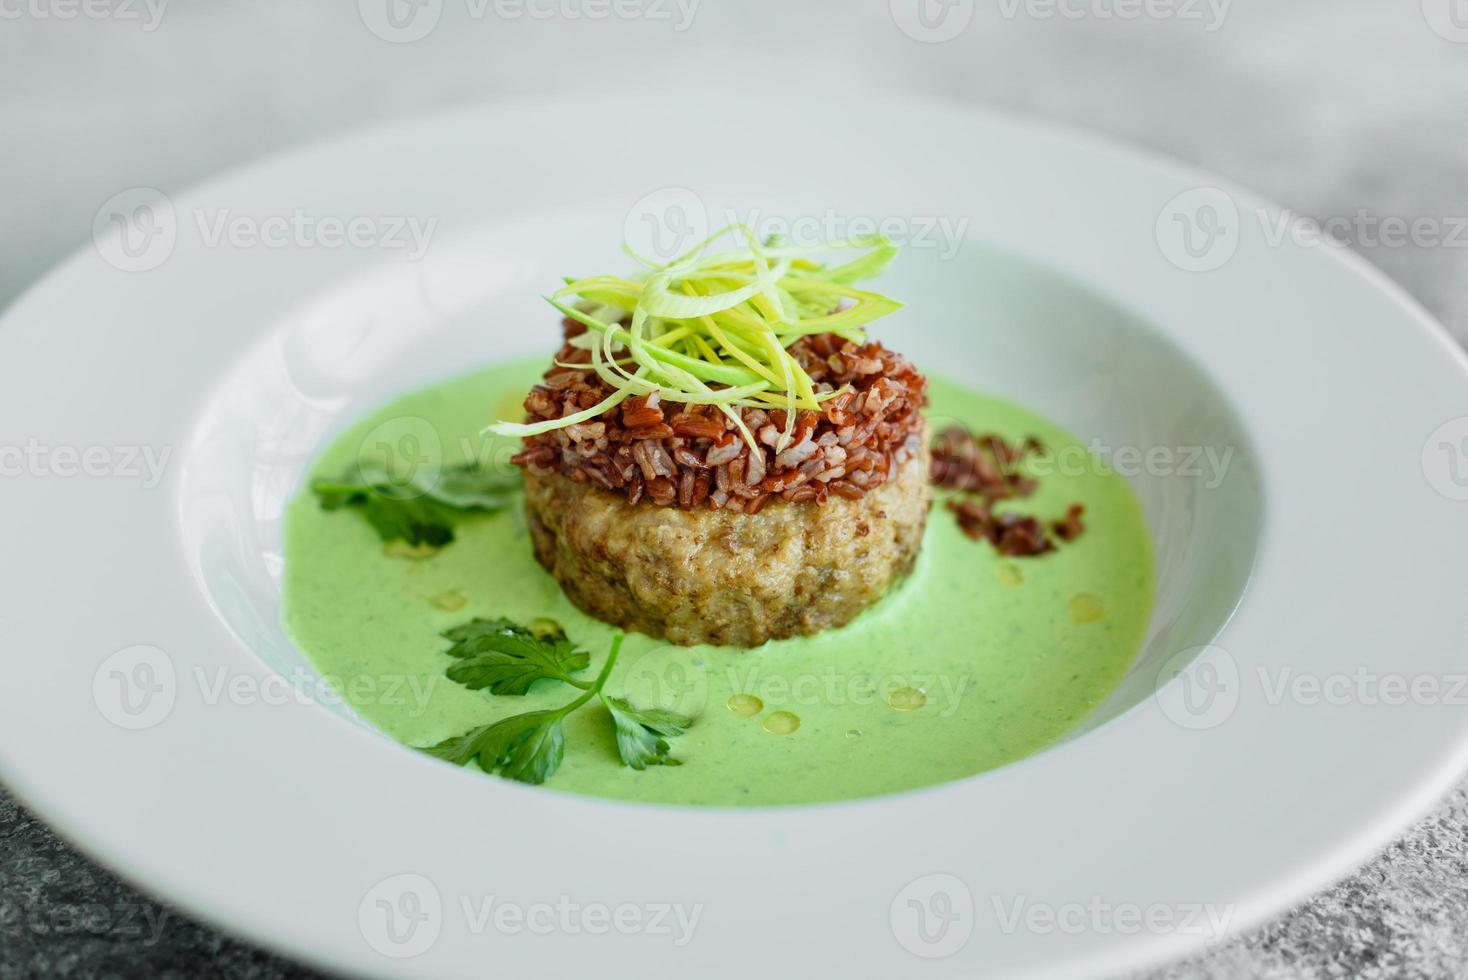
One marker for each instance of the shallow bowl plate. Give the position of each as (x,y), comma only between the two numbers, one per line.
(161,392)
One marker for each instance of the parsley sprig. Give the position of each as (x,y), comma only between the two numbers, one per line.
(507,659)
(423,508)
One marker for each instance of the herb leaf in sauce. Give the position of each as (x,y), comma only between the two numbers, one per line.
(508,659)
(526,747)
(642,734)
(529,747)
(424,508)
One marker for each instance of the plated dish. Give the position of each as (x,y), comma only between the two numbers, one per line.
(729,478)
(167,722)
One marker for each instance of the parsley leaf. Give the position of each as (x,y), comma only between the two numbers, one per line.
(508,659)
(527,747)
(418,521)
(423,508)
(536,757)
(642,735)
(474,487)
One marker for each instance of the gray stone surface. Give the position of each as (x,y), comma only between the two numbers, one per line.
(1334,108)
(62,916)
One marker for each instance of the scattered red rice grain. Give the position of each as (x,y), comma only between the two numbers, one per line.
(1071,526)
(985,470)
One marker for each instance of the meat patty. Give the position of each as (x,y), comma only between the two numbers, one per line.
(723,577)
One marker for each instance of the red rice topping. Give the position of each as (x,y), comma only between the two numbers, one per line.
(985,470)
(691,456)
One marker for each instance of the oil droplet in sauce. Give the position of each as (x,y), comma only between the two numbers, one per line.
(1086,608)
(545,629)
(412,552)
(449,601)
(907,699)
(1009,574)
(781,723)
(745,705)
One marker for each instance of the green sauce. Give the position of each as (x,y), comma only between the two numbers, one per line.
(974,662)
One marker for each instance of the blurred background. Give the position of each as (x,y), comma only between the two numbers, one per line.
(1353,112)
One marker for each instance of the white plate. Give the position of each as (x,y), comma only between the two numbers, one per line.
(285,821)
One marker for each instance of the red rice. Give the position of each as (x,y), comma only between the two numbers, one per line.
(691,456)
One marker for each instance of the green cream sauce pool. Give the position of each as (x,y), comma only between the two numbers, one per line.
(974,662)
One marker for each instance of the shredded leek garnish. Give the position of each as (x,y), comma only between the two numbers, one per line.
(714,328)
